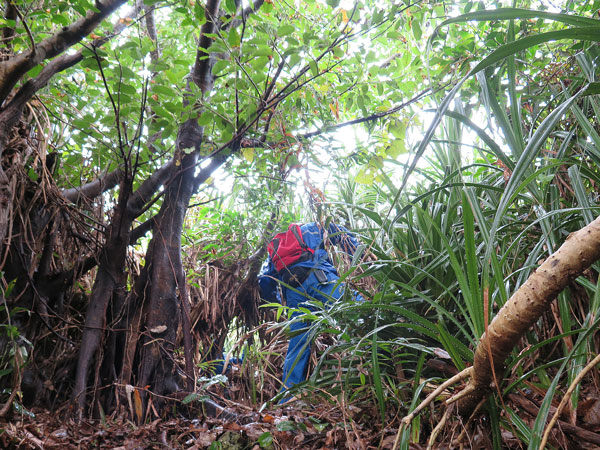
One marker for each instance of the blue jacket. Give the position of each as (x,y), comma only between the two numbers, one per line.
(314,238)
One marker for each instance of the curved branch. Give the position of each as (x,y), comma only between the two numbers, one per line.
(92,190)
(11,114)
(141,230)
(370,118)
(14,68)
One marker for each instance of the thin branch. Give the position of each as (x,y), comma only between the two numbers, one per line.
(566,398)
(31,40)
(431,397)
(116,110)
(245,13)
(11,114)
(370,118)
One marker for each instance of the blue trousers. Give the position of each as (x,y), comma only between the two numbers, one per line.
(296,360)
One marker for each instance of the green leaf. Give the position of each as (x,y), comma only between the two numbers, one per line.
(314,68)
(265,439)
(34,72)
(294,59)
(396,148)
(267,7)
(518,13)
(199,14)
(287,425)
(193,397)
(165,90)
(220,66)
(230,6)
(416,29)
(234,39)
(365,176)
(262,50)
(582,33)
(284,30)
(61,20)
(592,89)
(32,175)
(248,154)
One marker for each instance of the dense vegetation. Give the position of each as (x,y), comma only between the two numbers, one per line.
(149,149)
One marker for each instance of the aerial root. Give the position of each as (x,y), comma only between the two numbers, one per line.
(456,378)
(408,419)
(466,391)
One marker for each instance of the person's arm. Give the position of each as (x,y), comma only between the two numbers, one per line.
(267,282)
(343,238)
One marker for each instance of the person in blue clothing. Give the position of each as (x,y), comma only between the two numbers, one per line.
(314,278)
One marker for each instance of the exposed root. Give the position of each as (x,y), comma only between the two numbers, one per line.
(456,378)
(461,436)
(437,429)
(466,391)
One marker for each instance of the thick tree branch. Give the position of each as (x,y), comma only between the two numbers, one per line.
(93,189)
(11,114)
(190,133)
(143,194)
(201,73)
(62,280)
(151,29)
(141,230)
(14,68)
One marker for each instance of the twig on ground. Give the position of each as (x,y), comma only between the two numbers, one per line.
(566,398)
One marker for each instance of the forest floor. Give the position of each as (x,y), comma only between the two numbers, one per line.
(290,427)
(309,423)
(296,425)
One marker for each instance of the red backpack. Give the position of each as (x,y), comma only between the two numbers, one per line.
(289,248)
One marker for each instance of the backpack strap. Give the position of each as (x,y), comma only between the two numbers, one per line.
(295,229)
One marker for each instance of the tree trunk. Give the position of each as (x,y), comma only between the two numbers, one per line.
(110,279)
(161,303)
